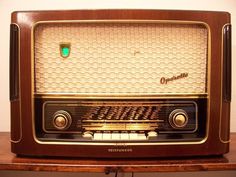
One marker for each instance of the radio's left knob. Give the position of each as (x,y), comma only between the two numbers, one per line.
(62,120)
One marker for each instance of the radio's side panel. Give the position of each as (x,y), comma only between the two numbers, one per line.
(219,128)
(20,83)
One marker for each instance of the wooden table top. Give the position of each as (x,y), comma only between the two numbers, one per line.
(9,161)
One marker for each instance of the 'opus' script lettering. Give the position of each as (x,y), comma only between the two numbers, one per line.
(166,80)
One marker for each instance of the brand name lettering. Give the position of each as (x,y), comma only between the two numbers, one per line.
(166,80)
(120,150)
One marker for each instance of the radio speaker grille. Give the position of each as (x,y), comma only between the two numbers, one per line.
(121,58)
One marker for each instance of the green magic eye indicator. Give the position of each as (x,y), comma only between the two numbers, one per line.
(65,49)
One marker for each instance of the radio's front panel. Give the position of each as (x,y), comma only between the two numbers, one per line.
(147,81)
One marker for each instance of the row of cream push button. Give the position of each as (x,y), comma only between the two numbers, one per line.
(120,136)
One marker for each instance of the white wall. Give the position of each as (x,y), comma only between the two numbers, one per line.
(7,6)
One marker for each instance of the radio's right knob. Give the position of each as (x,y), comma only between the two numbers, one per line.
(61,120)
(178,118)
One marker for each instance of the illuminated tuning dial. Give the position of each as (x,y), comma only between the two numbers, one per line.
(61,120)
(178,118)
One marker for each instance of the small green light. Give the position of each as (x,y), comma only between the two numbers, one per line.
(65,49)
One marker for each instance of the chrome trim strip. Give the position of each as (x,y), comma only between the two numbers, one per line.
(221,91)
(21,134)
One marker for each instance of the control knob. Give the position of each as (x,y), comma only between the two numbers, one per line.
(62,120)
(178,118)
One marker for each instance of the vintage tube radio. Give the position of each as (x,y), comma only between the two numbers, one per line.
(120,83)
